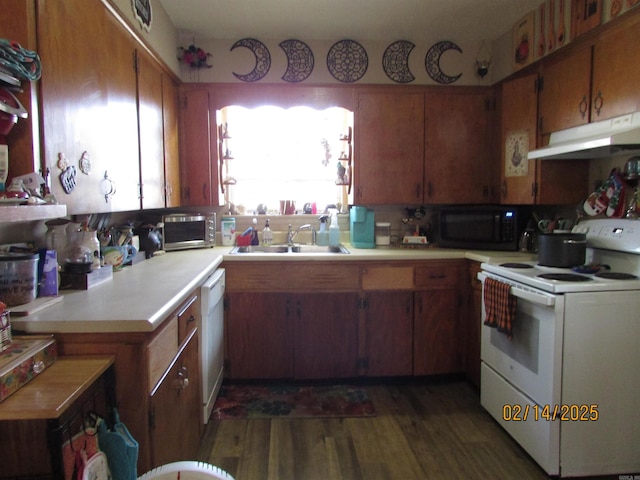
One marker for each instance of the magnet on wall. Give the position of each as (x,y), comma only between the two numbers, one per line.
(68,179)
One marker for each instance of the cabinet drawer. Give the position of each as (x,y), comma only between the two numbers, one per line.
(292,276)
(387,278)
(187,317)
(161,351)
(438,275)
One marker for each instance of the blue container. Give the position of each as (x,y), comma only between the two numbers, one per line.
(362,227)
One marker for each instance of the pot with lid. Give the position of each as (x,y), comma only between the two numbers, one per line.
(562,249)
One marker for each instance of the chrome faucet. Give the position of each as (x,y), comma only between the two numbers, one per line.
(291,234)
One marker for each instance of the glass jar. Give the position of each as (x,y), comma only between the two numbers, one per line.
(383,234)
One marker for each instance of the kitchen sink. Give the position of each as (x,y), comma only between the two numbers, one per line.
(304,249)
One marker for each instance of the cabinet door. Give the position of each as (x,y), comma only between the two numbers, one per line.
(151,132)
(565,92)
(460,165)
(89,104)
(199,172)
(259,335)
(616,70)
(175,409)
(437,335)
(473,321)
(326,335)
(389,148)
(388,332)
(519,110)
(171,144)
(17,23)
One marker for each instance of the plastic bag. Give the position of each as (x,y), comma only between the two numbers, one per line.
(120,448)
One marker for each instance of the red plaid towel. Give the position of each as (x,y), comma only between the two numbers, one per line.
(499,306)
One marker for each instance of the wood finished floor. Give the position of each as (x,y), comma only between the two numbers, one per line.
(432,429)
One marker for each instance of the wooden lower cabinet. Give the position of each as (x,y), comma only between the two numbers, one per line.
(473,322)
(157,382)
(284,336)
(386,319)
(437,336)
(326,335)
(174,417)
(388,334)
(259,331)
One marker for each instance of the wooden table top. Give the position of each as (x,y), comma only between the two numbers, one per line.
(49,394)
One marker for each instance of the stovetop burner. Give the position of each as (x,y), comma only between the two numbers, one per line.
(516,265)
(564,277)
(616,276)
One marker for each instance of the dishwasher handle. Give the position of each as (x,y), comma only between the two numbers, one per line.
(213,279)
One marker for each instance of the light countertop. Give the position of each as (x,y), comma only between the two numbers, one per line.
(140,297)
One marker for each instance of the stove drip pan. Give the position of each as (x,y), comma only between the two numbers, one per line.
(616,276)
(516,265)
(564,277)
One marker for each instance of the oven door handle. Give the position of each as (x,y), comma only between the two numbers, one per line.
(540,298)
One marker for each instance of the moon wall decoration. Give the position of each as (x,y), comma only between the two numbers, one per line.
(395,61)
(299,60)
(263,59)
(432,62)
(347,61)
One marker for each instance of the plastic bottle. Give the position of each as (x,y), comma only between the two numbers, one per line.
(254,232)
(322,238)
(267,234)
(334,230)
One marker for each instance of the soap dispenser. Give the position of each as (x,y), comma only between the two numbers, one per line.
(334,229)
(267,234)
(322,238)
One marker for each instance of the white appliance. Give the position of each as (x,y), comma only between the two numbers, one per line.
(566,386)
(211,339)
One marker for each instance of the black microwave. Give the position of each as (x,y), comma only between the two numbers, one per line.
(479,227)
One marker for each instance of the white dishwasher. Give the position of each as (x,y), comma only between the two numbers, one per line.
(211,339)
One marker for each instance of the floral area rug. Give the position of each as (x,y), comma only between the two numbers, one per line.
(292,401)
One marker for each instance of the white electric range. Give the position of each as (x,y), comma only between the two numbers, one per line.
(566,385)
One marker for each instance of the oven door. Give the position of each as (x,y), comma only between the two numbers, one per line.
(531,359)
(519,377)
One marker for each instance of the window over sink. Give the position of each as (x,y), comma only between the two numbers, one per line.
(271,155)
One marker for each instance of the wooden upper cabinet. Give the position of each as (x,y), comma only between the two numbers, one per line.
(88,104)
(171,142)
(199,163)
(17,23)
(541,182)
(389,148)
(616,72)
(565,92)
(150,119)
(460,164)
(519,110)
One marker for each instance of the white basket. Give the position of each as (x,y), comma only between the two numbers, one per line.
(188,470)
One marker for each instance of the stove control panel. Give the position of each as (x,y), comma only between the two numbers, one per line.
(611,233)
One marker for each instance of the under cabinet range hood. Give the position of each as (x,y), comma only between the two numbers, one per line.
(619,135)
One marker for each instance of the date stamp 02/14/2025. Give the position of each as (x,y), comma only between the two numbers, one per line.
(550,413)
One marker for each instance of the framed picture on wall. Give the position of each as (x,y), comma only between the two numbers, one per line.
(585,15)
(142,12)
(523,41)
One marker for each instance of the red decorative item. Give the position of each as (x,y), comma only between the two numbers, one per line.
(194,56)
